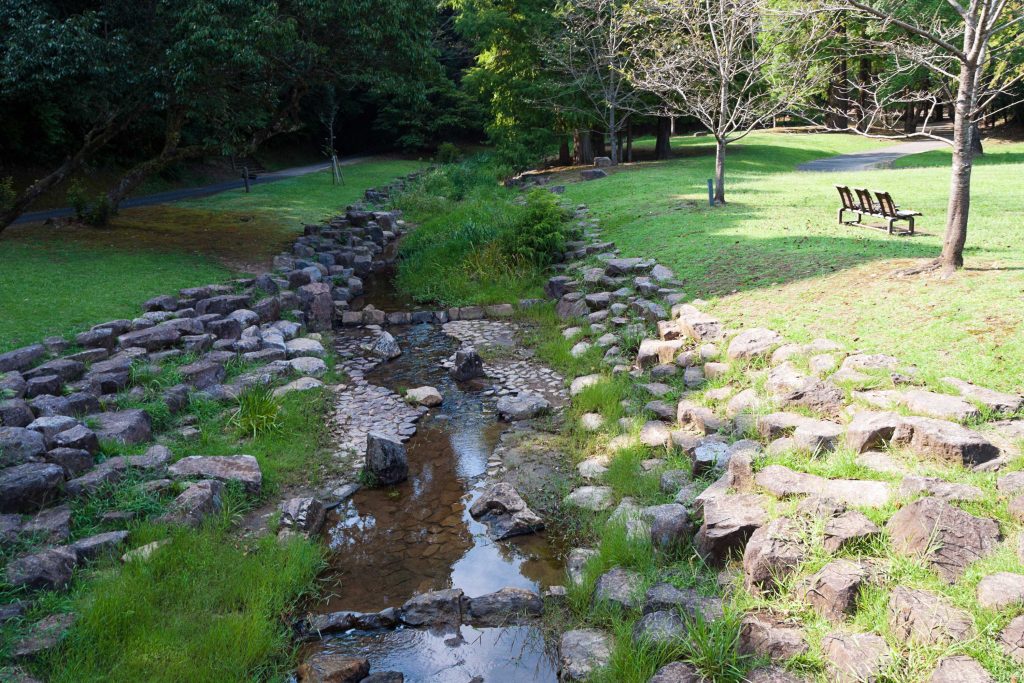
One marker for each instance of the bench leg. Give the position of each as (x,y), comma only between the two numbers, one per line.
(911,225)
(891,221)
(841,216)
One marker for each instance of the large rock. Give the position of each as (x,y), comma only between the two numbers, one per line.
(593,498)
(95,546)
(21,359)
(960,669)
(386,461)
(925,618)
(19,445)
(28,487)
(660,629)
(304,347)
(793,388)
(581,653)
(856,657)
(468,365)
(868,430)
(44,635)
(948,538)
(151,338)
(318,305)
(773,552)
(832,591)
(619,587)
(1000,590)
(753,343)
(502,608)
(942,406)
(244,469)
(505,512)
(571,306)
(688,602)
(763,634)
(995,401)
(783,482)
(424,396)
(325,667)
(522,407)
(15,412)
(433,608)
(305,515)
(52,525)
(129,427)
(221,304)
(676,672)
(846,528)
(202,374)
(196,503)
(946,441)
(48,569)
(670,525)
(729,520)
(385,346)
(1012,640)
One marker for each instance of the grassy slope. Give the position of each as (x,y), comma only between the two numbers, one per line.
(55,281)
(775,256)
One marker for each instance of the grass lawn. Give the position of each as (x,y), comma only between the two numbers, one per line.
(775,256)
(60,280)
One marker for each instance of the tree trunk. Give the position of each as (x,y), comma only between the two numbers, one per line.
(663,143)
(839,92)
(563,152)
(959,207)
(720,171)
(597,137)
(583,148)
(976,147)
(862,101)
(909,118)
(613,136)
(629,142)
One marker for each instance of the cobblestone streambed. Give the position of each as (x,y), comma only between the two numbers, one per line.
(391,543)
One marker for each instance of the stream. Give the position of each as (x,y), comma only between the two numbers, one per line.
(389,544)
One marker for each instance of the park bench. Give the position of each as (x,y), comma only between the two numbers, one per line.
(866,205)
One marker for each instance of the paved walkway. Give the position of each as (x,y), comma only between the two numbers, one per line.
(202,191)
(879,158)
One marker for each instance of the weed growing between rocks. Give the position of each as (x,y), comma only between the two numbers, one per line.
(475,243)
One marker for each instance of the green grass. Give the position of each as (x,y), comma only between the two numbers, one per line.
(61,280)
(774,255)
(475,242)
(206,607)
(309,198)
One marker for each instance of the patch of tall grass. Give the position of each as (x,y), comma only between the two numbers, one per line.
(476,242)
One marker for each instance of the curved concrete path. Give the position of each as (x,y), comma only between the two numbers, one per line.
(878,158)
(202,191)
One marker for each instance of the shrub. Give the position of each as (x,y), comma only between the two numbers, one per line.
(447,153)
(7,193)
(95,211)
(258,411)
(539,236)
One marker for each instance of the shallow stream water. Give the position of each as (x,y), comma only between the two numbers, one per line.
(388,544)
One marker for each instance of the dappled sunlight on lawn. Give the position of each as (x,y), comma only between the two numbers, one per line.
(774,254)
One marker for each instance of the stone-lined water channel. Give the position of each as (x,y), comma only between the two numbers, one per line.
(389,544)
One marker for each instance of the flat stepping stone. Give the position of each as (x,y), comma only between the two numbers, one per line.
(677,672)
(764,634)
(948,538)
(994,400)
(855,657)
(846,528)
(729,521)
(868,430)
(925,618)
(665,596)
(1012,639)
(945,441)
(832,592)
(946,490)
(582,652)
(773,552)
(880,462)
(999,591)
(753,343)
(593,498)
(960,669)
(244,469)
(660,629)
(782,482)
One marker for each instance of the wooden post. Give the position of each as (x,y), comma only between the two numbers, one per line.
(711,192)
(245,178)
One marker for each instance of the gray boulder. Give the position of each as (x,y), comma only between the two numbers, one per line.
(130,427)
(522,407)
(581,653)
(196,503)
(386,460)
(503,607)
(433,608)
(28,487)
(19,445)
(244,469)
(505,512)
(468,365)
(47,570)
